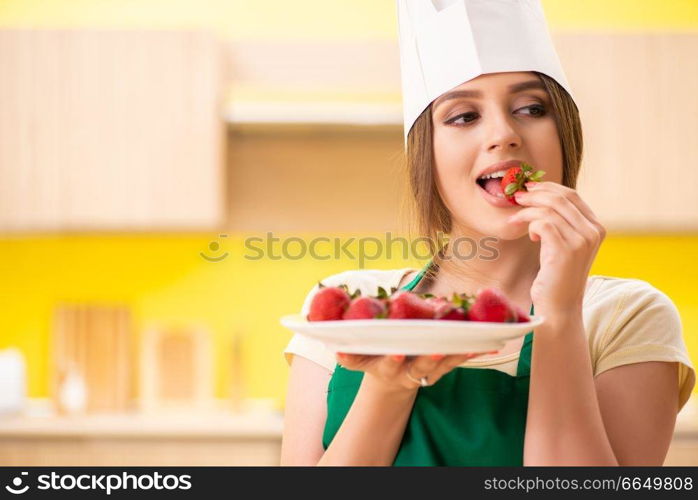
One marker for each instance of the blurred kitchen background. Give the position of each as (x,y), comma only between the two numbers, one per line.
(142,141)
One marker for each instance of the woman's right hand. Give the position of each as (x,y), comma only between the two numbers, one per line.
(402,373)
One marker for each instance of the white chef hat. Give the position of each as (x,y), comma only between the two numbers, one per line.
(444,43)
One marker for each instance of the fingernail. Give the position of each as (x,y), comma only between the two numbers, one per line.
(341,355)
(529,185)
(398,357)
(437,357)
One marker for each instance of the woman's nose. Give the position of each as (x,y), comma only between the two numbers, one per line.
(501,134)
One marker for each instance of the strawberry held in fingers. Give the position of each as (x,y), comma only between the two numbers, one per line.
(515,179)
(329,303)
(491,305)
(407,305)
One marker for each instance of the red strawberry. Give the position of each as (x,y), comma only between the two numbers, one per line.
(491,305)
(445,309)
(437,303)
(407,305)
(521,316)
(329,304)
(457,314)
(366,308)
(515,178)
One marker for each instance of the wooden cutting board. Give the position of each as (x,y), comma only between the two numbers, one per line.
(93,342)
(176,369)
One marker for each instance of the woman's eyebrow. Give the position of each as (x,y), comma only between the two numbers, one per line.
(516,87)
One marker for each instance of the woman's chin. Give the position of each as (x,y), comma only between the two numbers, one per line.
(506,232)
(515,234)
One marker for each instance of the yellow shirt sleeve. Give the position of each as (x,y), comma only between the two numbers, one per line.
(311,349)
(643,324)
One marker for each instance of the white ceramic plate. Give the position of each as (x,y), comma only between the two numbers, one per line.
(409,336)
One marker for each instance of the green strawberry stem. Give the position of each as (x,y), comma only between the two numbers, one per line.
(463,300)
(511,189)
(535,177)
(522,177)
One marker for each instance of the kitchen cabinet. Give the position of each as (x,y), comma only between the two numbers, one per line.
(110,130)
(348,180)
(639,112)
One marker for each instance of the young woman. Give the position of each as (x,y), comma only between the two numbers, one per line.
(597,386)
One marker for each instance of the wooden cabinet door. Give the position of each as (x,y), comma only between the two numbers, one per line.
(110,130)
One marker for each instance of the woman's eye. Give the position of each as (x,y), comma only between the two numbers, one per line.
(536,109)
(467,118)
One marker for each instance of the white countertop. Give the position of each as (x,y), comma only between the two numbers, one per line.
(38,421)
(146,426)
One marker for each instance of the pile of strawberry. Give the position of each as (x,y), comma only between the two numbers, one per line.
(488,304)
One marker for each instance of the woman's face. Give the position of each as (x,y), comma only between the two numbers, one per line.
(485,121)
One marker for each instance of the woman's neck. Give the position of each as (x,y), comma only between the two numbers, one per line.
(509,265)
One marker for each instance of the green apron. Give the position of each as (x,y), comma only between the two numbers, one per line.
(470,417)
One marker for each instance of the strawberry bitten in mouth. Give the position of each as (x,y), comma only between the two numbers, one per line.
(516,178)
(504,183)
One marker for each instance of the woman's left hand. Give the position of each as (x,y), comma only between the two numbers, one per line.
(570,236)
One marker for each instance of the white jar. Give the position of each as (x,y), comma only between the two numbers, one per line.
(13,376)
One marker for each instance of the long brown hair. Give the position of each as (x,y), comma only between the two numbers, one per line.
(426,208)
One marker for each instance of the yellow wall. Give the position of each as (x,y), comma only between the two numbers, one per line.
(166,280)
(327,20)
